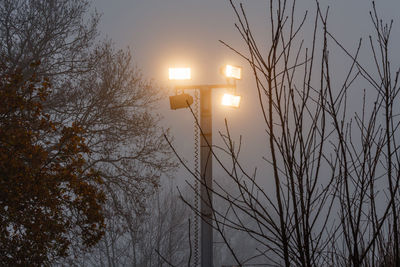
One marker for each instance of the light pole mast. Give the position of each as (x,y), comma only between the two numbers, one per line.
(206,236)
(206,177)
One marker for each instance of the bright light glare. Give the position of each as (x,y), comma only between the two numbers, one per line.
(231,100)
(233,72)
(179,73)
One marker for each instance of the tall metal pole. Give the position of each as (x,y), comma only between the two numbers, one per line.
(205,164)
(206,177)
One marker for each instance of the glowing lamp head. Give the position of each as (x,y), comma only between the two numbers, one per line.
(232,72)
(231,100)
(179,74)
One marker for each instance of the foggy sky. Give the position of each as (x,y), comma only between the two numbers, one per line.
(163,33)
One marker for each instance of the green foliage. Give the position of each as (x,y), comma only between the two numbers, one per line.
(48,198)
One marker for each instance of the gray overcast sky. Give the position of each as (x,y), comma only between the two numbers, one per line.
(175,32)
(166,32)
(163,33)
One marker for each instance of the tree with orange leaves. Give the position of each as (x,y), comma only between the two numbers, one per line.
(49,200)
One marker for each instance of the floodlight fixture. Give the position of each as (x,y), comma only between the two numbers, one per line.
(179,74)
(180,101)
(230,100)
(233,72)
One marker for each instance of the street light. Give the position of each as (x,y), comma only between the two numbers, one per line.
(179,74)
(180,101)
(233,72)
(183,101)
(230,100)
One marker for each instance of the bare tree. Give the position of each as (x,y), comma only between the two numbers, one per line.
(335,168)
(60,34)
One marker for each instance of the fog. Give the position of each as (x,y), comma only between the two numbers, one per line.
(187,33)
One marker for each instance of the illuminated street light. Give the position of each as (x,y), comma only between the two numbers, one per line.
(232,72)
(179,74)
(183,100)
(230,100)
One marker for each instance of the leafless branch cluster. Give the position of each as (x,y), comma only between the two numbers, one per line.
(156,238)
(333,147)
